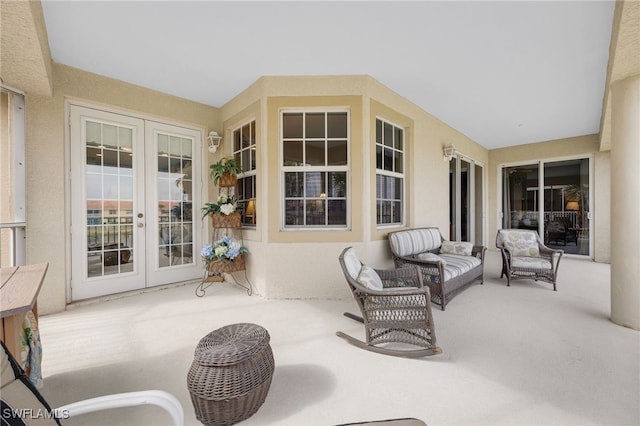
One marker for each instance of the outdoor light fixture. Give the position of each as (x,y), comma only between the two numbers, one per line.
(448,152)
(214,141)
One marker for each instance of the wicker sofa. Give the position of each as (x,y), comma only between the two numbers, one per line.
(448,267)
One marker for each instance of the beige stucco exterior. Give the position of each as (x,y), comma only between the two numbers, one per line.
(302,263)
(282,264)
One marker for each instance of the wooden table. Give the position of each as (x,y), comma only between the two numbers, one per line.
(18,296)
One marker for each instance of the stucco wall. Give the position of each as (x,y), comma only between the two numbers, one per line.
(550,150)
(304,264)
(47,145)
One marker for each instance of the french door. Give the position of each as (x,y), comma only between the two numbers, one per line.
(466,200)
(132,197)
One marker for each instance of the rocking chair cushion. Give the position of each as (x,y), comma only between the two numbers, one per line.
(369,278)
(352,263)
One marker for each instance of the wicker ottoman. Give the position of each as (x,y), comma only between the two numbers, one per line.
(230,374)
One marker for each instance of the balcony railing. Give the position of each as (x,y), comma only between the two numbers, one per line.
(13,244)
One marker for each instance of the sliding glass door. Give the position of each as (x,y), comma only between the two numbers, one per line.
(552,198)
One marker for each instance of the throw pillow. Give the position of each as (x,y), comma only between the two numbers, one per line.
(431,257)
(369,278)
(462,248)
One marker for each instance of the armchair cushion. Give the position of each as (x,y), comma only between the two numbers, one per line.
(369,278)
(530,262)
(520,243)
(456,247)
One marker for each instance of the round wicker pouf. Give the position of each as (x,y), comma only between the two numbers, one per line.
(230,374)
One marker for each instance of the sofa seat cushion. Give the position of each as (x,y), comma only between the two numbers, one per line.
(530,262)
(457,265)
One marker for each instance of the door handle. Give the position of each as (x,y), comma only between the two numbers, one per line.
(140,225)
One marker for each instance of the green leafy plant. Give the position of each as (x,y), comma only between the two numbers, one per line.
(225,165)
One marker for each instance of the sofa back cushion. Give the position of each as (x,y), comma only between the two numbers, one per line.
(519,242)
(414,241)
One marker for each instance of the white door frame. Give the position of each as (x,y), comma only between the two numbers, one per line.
(199,161)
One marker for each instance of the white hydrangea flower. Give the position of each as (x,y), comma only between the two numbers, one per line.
(227,208)
(221,251)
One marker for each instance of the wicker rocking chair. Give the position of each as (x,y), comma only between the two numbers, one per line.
(395,307)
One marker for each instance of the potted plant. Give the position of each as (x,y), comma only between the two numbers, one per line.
(224,255)
(224,172)
(223,212)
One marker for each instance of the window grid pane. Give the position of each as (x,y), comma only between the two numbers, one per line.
(244,145)
(318,142)
(389,142)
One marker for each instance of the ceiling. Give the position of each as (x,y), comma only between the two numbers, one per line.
(503,73)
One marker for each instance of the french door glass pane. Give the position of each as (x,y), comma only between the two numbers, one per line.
(453,199)
(479,205)
(175,194)
(465,198)
(109,199)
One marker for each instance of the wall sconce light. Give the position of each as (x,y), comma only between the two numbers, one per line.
(448,152)
(572,206)
(214,141)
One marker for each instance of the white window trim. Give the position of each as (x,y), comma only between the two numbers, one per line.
(282,169)
(249,173)
(402,175)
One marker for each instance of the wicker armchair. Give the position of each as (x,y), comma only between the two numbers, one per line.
(524,255)
(395,307)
